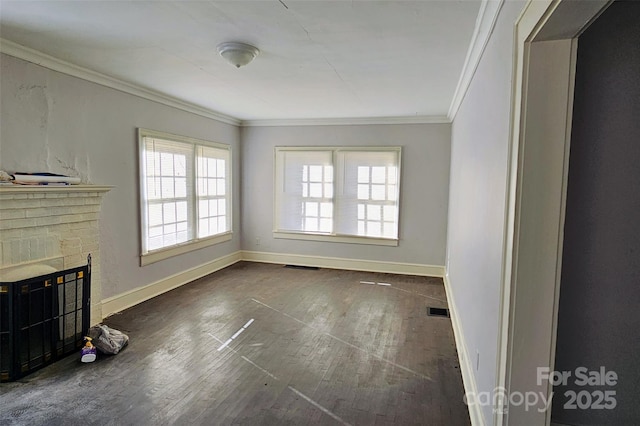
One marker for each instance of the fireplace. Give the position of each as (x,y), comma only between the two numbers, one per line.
(57,227)
(43,319)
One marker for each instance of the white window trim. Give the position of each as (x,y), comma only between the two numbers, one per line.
(167,252)
(157,255)
(333,238)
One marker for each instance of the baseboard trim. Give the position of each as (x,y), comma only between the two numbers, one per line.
(133,297)
(341,263)
(468,378)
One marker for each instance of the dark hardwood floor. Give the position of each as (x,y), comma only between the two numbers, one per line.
(259,344)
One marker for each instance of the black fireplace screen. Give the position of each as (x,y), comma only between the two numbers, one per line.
(43,319)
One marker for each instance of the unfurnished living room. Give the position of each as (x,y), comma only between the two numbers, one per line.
(319,212)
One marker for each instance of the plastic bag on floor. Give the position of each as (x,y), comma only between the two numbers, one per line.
(108,340)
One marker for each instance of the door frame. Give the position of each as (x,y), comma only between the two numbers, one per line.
(534,239)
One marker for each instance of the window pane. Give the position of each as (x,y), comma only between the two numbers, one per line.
(315,190)
(392,193)
(203,228)
(155,215)
(363,192)
(155,243)
(389,213)
(222,224)
(213,207)
(373,212)
(328,173)
(211,187)
(166,164)
(153,188)
(169,212)
(361,227)
(180,165)
(378,174)
(220,169)
(181,187)
(374,229)
(311,224)
(389,230)
(169,229)
(315,173)
(326,210)
(211,167)
(393,175)
(221,186)
(203,208)
(222,207)
(325,225)
(167,188)
(328,190)
(378,192)
(363,174)
(155,231)
(169,240)
(361,209)
(311,209)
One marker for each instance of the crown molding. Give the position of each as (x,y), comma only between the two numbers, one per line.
(485,23)
(42,59)
(418,119)
(30,55)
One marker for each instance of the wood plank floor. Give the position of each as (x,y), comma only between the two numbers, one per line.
(259,344)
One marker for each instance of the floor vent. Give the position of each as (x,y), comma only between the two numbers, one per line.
(310,268)
(437,312)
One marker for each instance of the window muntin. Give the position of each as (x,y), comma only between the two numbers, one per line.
(185,190)
(211,191)
(317,198)
(338,191)
(377,196)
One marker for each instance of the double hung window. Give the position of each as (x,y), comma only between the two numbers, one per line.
(338,194)
(185,194)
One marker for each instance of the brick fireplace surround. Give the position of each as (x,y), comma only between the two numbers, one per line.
(54,225)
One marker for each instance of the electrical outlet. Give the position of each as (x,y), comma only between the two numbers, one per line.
(257,241)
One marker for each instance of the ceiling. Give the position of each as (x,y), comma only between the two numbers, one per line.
(319,59)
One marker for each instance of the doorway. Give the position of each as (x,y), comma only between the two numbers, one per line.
(598,319)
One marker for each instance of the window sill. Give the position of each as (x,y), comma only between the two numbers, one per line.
(165,253)
(349,239)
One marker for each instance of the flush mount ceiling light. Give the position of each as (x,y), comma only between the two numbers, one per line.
(238,54)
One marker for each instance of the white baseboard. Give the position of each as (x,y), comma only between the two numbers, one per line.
(341,263)
(133,297)
(466,368)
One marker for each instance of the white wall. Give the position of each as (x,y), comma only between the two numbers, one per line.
(478,185)
(424,188)
(57,123)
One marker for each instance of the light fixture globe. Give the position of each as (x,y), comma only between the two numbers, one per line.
(238,54)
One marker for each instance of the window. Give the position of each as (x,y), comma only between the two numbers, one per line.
(338,194)
(185,194)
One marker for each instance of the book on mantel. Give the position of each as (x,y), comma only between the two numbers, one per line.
(43,179)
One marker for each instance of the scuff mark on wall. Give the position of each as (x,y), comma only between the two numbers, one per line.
(36,97)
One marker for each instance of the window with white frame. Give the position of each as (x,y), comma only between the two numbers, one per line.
(338,194)
(185,194)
